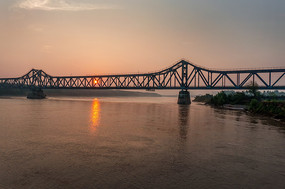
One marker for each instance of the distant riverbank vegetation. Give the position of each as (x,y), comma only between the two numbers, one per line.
(271,103)
(79,93)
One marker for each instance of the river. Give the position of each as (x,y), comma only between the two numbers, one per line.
(143,142)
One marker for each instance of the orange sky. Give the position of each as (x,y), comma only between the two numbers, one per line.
(66,37)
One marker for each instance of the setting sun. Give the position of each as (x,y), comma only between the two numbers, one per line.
(95,81)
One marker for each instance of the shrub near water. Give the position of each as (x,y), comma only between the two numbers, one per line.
(237,98)
(203,98)
(255,104)
(220,99)
(273,108)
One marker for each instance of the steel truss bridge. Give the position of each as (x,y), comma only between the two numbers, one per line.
(182,75)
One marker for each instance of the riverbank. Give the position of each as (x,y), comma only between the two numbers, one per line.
(242,102)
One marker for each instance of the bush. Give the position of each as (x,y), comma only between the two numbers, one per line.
(273,108)
(203,98)
(253,105)
(220,99)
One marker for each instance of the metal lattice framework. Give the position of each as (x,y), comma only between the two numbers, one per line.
(182,75)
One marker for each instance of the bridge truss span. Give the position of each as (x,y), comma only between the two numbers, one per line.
(183,75)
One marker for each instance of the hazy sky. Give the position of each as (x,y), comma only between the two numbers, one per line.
(83,37)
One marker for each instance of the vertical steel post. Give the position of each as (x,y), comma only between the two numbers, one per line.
(184,75)
(269,79)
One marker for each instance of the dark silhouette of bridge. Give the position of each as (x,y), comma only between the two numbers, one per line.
(182,75)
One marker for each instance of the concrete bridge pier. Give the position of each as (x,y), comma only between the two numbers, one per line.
(36,93)
(184,97)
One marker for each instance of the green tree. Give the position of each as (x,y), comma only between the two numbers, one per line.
(253,89)
(220,99)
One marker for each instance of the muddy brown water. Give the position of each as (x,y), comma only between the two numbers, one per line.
(136,143)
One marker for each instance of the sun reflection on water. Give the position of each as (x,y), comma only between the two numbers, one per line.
(95,115)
